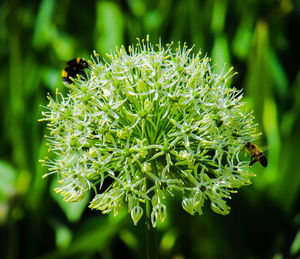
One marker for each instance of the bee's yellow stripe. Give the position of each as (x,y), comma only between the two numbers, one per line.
(64,73)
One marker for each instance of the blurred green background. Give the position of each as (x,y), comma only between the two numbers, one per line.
(259,38)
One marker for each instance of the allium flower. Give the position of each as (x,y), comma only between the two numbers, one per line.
(153,121)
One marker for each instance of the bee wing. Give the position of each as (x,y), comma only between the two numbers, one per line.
(264,148)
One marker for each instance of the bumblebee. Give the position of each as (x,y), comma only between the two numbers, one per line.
(256,154)
(74,67)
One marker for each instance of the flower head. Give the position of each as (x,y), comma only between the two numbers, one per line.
(153,121)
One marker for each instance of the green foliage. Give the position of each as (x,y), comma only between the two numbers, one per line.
(259,38)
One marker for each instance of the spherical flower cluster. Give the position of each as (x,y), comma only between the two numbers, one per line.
(149,122)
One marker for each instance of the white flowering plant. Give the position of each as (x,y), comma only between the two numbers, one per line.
(152,121)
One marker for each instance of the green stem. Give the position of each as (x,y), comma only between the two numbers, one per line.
(151,244)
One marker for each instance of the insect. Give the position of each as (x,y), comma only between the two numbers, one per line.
(256,154)
(74,67)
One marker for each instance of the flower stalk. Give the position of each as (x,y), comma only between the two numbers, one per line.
(151,235)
